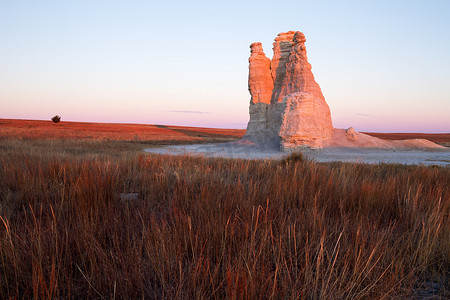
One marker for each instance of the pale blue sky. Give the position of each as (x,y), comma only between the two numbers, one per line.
(382,65)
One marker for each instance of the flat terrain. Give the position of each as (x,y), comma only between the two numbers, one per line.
(439,157)
(86,214)
(155,134)
(163,134)
(137,137)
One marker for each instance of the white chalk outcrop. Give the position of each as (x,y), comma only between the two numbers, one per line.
(350,138)
(287,108)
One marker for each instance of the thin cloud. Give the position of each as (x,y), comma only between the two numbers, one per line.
(365,115)
(190,111)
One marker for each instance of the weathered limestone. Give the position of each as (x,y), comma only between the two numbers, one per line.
(297,115)
(260,82)
(281,51)
(306,121)
(260,86)
(298,76)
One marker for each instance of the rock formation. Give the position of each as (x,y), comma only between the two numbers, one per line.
(287,108)
(260,83)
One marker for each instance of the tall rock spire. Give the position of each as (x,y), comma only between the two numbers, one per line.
(287,104)
(260,86)
(281,51)
(298,76)
(260,82)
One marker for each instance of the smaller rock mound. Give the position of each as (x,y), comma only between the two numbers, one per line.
(349,138)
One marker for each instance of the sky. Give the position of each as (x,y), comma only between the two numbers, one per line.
(382,65)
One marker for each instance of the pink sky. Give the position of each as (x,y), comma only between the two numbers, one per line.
(187,64)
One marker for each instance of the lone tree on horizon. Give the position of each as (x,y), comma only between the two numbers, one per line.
(56,119)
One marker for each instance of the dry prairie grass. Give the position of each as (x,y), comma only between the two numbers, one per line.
(216,228)
(154,134)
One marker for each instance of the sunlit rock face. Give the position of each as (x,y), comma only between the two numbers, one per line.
(282,48)
(260,86)
(260,82)
(287,108)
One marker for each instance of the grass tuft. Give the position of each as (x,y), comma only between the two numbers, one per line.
(294,158)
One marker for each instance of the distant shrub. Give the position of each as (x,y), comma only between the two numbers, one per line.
(56,119)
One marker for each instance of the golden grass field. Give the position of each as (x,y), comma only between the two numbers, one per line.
(157,134)
(212,228)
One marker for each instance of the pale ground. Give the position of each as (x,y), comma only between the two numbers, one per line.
(439,156)
(344,145)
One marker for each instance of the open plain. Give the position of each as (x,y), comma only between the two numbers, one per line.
(301,204)
(87,213)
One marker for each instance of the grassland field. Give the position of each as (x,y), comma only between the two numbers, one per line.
(211,228)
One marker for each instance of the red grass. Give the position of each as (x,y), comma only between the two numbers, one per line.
(216,228)
(34,129)
(101,131)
